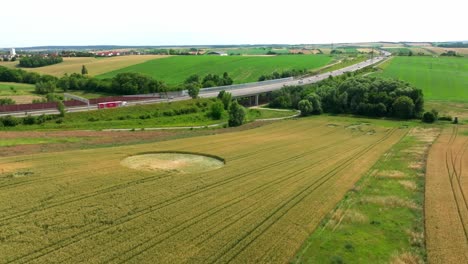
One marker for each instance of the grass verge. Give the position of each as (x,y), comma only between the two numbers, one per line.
(380,220)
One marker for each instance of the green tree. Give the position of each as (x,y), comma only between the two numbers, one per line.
(429,117)
(226,98)
(192,79)
(236,114)
(84,71)
(305,106)
(193,90)
(314,99)
(216,110)
(45,87)
(403,107)
(61,108)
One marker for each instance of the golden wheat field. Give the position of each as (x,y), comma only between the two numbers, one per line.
(446,205)
(95,66)
(277,183)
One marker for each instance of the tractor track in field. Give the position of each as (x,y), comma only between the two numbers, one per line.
(455,178)
(86,233)
(307,192)
(255,191)
(45,179)
(144,180)
(326,177)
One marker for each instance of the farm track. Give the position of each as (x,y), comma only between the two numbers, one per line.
(446,200)
(270,174)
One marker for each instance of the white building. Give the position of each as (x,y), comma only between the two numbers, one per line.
(12,52)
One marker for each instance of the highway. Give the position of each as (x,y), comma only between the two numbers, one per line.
(236,92)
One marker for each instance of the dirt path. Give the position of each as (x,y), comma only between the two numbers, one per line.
(446,206)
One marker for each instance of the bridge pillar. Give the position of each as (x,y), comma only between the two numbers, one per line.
(256,99)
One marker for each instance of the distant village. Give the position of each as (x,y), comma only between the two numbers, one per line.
(12,55)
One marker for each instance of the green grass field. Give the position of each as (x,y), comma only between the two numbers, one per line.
(175,70)
(174,114)
(440,78)
(278,182)
(7,89)
(380,220)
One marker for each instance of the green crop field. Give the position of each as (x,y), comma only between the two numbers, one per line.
(383,211)
(7,89)
(440,78)
(104,205)
(175,70)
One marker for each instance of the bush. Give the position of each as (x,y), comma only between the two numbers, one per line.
(29,120)
(41,119)
(446,118)
(9,121)
(403,107)
(7,101)
(216,110)
(429,117)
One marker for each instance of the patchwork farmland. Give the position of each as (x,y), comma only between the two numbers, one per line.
(278,182)
(242,69)
(95,66)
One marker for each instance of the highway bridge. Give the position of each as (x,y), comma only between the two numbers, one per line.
(237,91)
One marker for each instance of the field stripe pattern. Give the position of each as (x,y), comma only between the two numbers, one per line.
(446,199)
(278,182)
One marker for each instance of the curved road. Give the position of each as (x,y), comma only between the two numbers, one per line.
(236,92)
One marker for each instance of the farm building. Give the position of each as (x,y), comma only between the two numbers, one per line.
(107,53)
(219,53)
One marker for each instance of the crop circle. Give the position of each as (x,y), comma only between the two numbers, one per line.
(175,162)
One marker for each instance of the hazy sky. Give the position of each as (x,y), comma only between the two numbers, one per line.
(144,22)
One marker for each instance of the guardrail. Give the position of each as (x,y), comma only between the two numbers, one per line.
(245,85)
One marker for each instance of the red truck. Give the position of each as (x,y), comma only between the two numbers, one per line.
(111,104)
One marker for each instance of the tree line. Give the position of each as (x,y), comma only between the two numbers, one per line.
(122,83)
(285,74)
(367,96)
(39,61)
